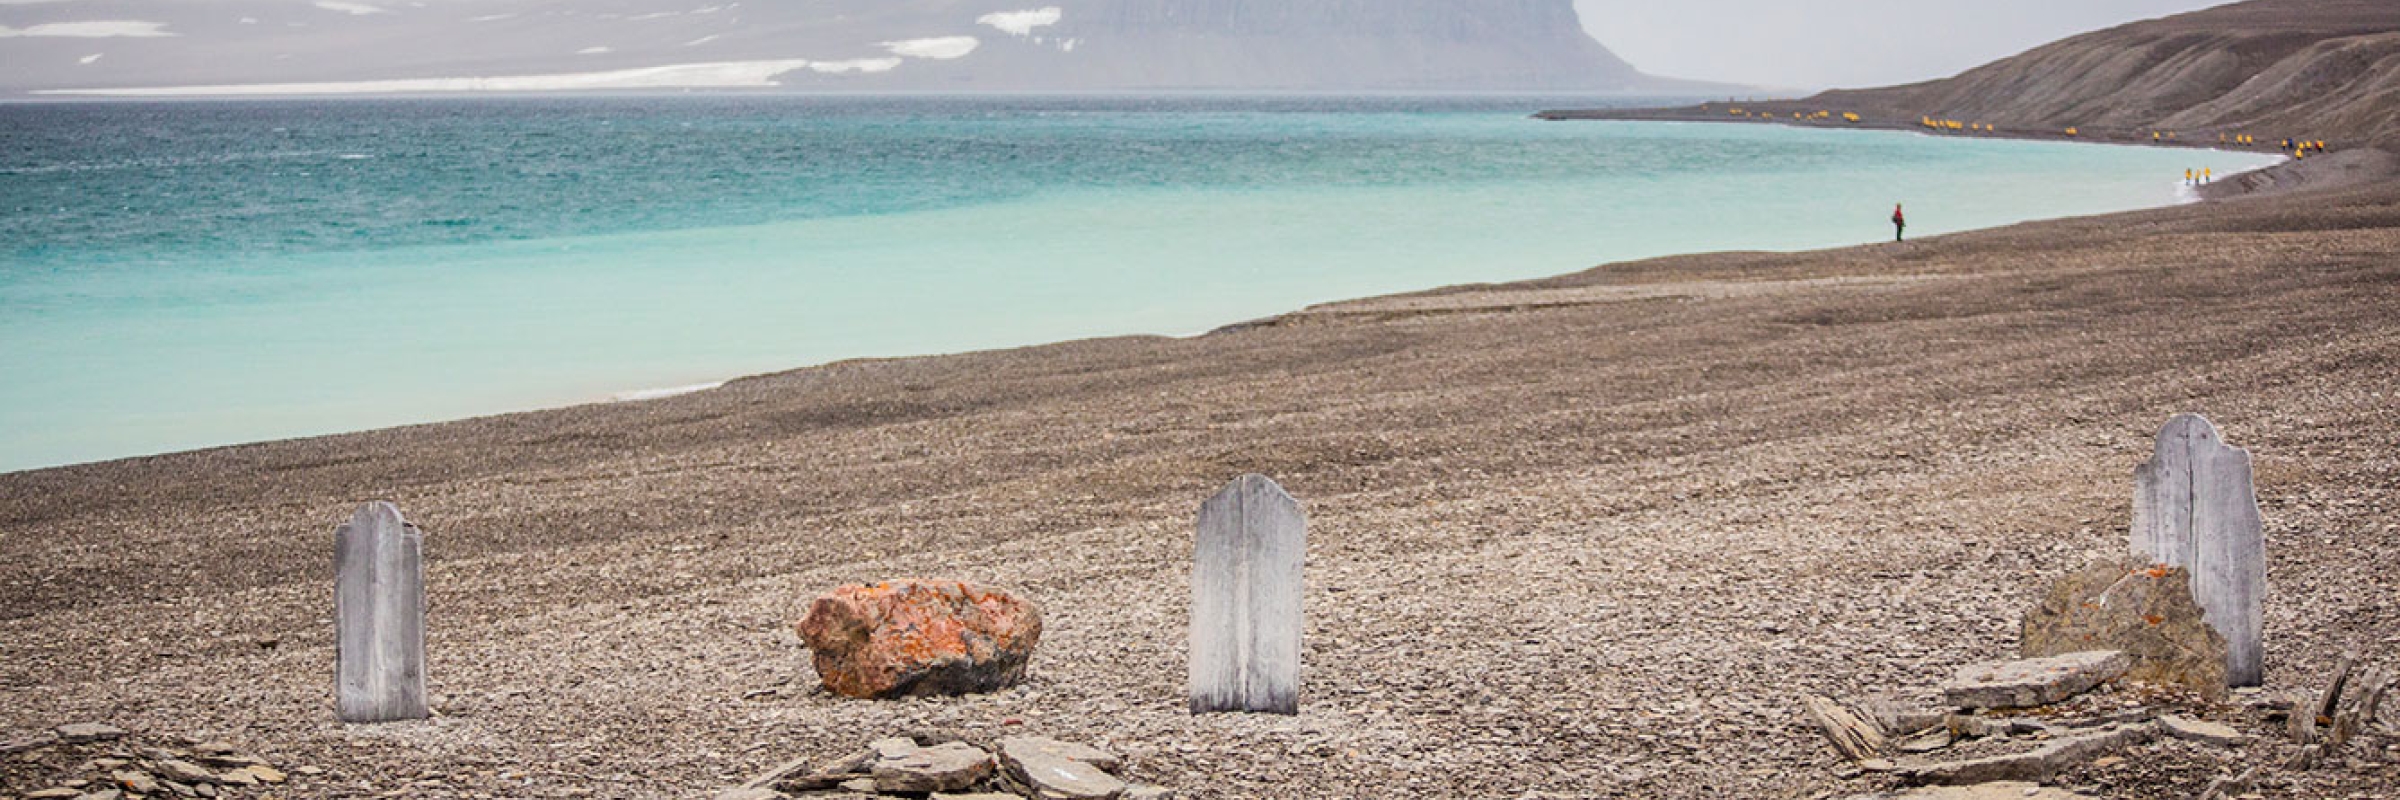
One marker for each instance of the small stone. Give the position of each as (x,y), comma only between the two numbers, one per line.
(1926,742)
(1041,764)
(750,794)
(859,785)
(947,768)
(2204,732)
(181,771)
(56,793)
(919,638)
(82,732)
(180,788)
(104,794)
(1901,716)
(204,790)
(1088,754)
(1148,793)
(134,781)
(214,749)
(894,747)
(986,796)
(2005,790)
(239,777)
(311,771)
(832,775)
(228,761)
(2033,682)
(34,742)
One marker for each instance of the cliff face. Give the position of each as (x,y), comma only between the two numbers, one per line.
(849,45)
(2317,68)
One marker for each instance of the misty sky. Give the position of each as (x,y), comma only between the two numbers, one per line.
(1844,43)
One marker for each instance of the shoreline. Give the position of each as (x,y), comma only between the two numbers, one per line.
(642,391)
(2355,165)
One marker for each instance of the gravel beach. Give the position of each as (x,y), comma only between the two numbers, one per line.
(1591,536)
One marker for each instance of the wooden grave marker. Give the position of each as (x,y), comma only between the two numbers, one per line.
(2194,507)
(379,617)
(1246,584)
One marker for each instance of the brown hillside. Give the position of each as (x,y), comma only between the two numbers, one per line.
(2312,68)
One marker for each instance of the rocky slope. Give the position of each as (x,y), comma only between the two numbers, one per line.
(2273,69)
(2310,68)
(852,45)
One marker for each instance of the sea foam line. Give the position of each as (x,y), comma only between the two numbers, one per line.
(639,395)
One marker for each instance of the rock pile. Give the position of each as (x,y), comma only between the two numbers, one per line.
(1012,768)
(2010,725)
(97,761)
(918,638)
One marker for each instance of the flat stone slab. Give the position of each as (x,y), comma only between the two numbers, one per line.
(2036,765)
(947,768)
(2033,682)
(1045,766)
(1085,753)
(2002,790)
(82,732)
(2204,732)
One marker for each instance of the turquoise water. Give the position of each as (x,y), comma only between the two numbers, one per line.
(177,275)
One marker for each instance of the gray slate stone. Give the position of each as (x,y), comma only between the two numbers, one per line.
(1054,776)
(33,742)
(134,781)
(2003,790)
(379,616)
(1088,754)
(1246,590)
(2204,732)
(2033,682)
(2037,765)
(752,793)
(83,732)
(181,771)
(946,768)
(2195,507)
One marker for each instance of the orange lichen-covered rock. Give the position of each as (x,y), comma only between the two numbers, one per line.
(916,638)
(2143,610)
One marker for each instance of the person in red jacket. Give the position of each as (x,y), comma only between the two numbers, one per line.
(1899,223)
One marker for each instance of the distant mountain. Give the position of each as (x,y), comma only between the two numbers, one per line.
(851,45)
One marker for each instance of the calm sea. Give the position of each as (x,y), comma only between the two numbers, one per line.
(176,275)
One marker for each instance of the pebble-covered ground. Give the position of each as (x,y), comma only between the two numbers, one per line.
(1589,537)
